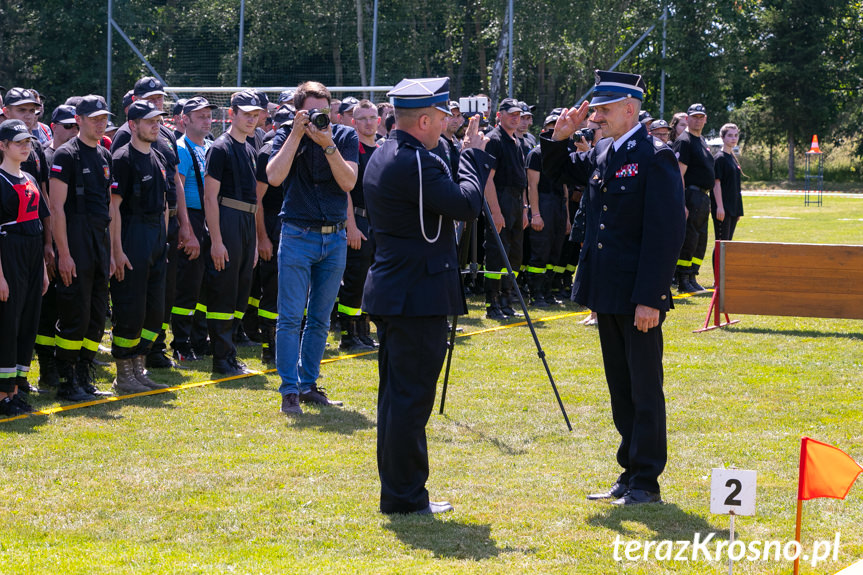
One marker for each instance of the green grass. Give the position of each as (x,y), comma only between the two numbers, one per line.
(213,479)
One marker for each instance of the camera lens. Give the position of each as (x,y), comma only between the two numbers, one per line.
(319,120)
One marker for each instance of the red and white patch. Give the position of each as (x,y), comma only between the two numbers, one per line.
(56,169)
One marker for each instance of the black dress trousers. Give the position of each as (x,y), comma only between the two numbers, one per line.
(410,358)
(633,369)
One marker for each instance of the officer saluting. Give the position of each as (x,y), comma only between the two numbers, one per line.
(635,227)
(413,283)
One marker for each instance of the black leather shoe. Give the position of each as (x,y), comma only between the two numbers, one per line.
(226,367)
(508,311)
(158,359)
(291,404)
(435,507)
(318,395)
(637,497)
(617,491)
(493,312)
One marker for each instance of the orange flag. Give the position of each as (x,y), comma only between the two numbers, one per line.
(825,471)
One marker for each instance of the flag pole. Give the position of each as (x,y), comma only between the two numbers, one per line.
(797,534)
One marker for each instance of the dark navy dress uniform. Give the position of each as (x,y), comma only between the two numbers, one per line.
(635,224)
(412,286)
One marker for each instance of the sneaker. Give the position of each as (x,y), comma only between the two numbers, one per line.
(318,395)
(291,404)
(185,353)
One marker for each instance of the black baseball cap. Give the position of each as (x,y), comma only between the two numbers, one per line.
(177,109)
(348,104)
(247,101)
(696,110)
(127,99)
(509,105)
(287,96)
(72,101)
(91,106)
(197,103)
(144,110)
(283,114)
(262,96)
(525,109)
(21,96)
(15,131)
(551,118)
(63,114)
(658,124)
(148,86)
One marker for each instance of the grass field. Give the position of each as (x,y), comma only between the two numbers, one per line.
(212,479)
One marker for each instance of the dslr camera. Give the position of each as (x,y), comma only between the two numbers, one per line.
(320,119)
(586,134)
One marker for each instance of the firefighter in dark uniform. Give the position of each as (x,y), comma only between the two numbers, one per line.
(23,276)
(354,322)
(414,283)
(549,225)
(192,147)
(268,226)
(230,203)
(180,235)
(505,193)
(635,225)
(696,168)
(22,104)
(139,248)
(80,201)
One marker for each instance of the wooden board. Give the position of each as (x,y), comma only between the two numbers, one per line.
(800,280)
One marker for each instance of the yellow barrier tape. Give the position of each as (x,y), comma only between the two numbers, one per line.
(106,400)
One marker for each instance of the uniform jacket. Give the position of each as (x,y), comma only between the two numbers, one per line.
(409,275)
(635,221)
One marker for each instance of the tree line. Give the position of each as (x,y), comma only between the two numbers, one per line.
(782,69)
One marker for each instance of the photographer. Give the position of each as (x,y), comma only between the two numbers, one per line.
(317,161)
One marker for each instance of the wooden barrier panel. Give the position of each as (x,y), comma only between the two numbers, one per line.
(801,280)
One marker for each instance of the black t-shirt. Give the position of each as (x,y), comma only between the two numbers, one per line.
(49,158)
(220,167)
(272,201)
(131,166)
(74,159)
(37,165)
(165,144)
(694,152)
(545,186)
(357,196)
(21,201)
(509,160)
(727,171)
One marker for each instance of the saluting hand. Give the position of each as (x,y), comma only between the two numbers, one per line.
(472,136)
(569,121)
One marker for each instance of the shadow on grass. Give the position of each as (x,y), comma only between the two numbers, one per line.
(668,521)
(252,382)
(331,420)
(446,539)
(796,332)
(501,445)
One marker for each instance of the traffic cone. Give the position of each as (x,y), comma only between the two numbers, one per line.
(814,149)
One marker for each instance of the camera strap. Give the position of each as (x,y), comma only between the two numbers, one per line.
(422,222)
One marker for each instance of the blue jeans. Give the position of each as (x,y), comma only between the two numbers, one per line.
(310,271)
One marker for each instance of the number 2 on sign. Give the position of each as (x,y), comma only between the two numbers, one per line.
(732,491)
